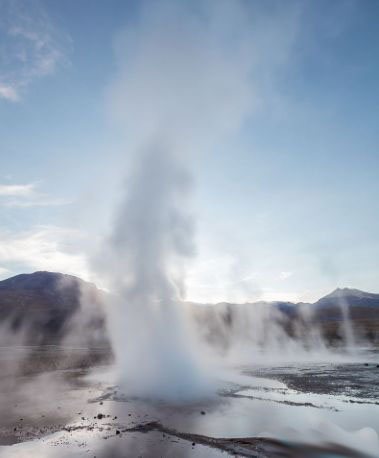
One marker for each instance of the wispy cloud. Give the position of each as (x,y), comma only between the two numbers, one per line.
(31,46)
(27,195)
(43,248)
(17,189)
(42,200)
(4,272)
(8,93)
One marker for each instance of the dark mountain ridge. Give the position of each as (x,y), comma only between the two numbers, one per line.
(328,314)
(340,295)
(46,306)
(42,306)
(350,297)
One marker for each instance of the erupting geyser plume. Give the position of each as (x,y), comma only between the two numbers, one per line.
(185,83)
(151,235)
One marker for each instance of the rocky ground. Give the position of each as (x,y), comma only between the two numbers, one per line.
(292,410)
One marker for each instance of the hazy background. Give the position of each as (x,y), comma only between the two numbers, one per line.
(285,205)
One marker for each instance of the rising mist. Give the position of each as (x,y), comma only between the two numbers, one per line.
(187,80)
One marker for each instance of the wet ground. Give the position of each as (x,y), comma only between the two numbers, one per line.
(356,380)
(291,410)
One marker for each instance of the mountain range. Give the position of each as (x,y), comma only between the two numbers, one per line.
(49,308)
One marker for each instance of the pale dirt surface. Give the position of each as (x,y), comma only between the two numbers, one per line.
(257,411)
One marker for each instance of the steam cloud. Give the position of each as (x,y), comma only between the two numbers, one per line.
(186,81)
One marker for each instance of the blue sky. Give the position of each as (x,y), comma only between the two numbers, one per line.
(286,188)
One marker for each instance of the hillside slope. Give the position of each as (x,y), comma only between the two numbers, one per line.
(46,307)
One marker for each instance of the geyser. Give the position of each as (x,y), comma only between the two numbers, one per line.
(151,236)
(185,83)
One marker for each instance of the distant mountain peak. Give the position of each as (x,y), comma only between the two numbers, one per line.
(348,296)
(343,292)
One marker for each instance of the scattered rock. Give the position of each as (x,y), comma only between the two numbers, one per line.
(101,403)
(202,412)
(117,431)
(100,416)
(115,418)
(193,444)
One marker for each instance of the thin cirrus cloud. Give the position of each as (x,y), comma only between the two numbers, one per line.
(17,189)
(27,195)
(31,47)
